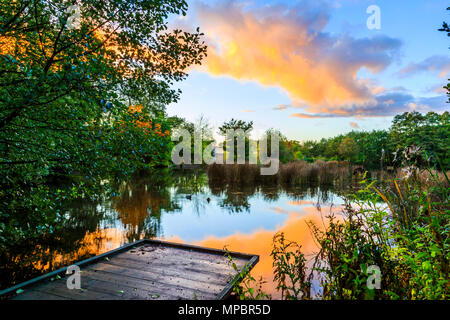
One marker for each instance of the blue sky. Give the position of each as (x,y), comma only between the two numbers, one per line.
(318,61)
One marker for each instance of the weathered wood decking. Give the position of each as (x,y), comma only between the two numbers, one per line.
(144,270)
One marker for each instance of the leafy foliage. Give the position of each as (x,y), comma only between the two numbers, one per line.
(65,94)
(234,124)
(377,149)
(245,290)
(289,265)
(431,132)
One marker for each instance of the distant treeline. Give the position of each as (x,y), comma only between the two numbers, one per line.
(422,138)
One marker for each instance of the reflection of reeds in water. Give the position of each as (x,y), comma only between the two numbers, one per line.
(320,173)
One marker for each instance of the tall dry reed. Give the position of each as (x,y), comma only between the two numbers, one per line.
(293,173)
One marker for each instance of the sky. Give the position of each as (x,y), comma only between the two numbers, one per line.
(313,69)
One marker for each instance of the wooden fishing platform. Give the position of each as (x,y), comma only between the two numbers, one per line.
(143,270)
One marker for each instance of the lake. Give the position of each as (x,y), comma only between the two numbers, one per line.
(180,206)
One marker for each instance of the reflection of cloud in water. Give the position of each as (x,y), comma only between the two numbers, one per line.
(192,226)
(302,202)
(260,242)
(279,210)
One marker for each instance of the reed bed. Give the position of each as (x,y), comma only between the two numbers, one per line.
(293,173)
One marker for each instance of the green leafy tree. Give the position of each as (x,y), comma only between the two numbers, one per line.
(431,132)
(65,93)
(62,88)
(235,125)
(374,149)
(348,149)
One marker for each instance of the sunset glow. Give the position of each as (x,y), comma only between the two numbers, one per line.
(318,59)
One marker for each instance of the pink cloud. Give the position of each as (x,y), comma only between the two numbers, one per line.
(435,64)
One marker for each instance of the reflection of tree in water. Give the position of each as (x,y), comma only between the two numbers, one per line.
(235,198)
(323,194)
(235,201)
(190,181)
(192,184)
(79,233)
(67,244)
(270,193)
(141,202)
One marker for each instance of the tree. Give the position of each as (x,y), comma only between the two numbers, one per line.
(289,150)
(431,132)
(60,87)
(235,125)
(65,92)
(348,149)
(203,125)
(331,150)
(374,151)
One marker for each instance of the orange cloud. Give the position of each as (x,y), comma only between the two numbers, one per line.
(307,116)
(281,107)
(287,48)
(354,125)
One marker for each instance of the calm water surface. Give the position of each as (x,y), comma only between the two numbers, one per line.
(181,207)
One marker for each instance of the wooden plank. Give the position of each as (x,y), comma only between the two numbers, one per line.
(101,287)
(62,271)
(182,256)
(59,288)
(209,279)
(88,292)
(160,289)
(32,294)
(97,288)
(132,285)
(200,254)
(106,285)
(167,281)
(146,269)
(194,248)
(200,273)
